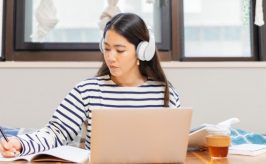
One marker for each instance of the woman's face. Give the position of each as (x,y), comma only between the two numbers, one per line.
(120,55)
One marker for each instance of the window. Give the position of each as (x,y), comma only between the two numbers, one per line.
(76,29)
(215,29)
(77,25)
(209,32)
(185,30)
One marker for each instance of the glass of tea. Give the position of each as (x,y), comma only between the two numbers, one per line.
(218,145)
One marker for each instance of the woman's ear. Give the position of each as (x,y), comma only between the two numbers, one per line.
(138,62)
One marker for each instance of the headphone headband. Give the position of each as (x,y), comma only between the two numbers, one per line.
(145,49)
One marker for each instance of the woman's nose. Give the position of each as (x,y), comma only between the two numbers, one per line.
(111,55)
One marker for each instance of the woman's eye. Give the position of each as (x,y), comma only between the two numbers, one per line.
(106,49)
(120,51)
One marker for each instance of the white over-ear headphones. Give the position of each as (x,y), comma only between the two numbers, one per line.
(145,49)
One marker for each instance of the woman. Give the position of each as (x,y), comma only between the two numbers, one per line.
(130,77)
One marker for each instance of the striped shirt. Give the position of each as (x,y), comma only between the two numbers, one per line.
(93,93)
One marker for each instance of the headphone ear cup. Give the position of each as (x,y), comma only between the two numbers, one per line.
(101,45)
(150,49)
(141,49)
(146,50)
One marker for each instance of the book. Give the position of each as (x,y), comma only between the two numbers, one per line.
(197,137)
(247,149)
(58,154)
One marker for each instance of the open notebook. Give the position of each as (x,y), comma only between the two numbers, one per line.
(59,154)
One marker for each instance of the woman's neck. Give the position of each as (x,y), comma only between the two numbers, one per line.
(129,81)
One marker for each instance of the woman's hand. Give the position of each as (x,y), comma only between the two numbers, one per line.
(9,149)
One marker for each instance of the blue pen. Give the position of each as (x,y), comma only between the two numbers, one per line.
(3,134)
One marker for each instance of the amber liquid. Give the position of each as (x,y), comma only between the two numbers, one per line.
(218,145)
(218,151)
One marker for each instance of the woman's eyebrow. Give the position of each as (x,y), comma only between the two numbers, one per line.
(116,45)
(119,46)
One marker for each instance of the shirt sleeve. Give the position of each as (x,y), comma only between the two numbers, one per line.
(62,128)
(174,100)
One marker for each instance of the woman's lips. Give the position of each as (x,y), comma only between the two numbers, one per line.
(113,67)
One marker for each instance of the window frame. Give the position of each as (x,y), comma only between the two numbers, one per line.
(2,14)
(20,44)
(262,37)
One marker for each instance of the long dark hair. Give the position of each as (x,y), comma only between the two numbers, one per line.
(133,28)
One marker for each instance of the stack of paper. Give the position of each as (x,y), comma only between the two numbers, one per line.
(247,149)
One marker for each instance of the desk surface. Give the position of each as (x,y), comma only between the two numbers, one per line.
(202,158)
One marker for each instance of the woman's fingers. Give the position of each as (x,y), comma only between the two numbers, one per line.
(11,148)
(1,148)
(8,154)
(14,143)
(2,145)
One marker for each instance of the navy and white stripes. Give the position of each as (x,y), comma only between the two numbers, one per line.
(93,93)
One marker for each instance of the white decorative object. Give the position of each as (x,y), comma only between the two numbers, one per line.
(259,13)
(111,10)
(46,19)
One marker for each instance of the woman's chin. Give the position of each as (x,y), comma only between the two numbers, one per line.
(115,73)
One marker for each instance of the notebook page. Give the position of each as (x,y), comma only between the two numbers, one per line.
(27,158)
(67,153)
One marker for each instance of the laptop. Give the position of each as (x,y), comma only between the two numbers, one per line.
(140,135)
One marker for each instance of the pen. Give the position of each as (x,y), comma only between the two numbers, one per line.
(3,134)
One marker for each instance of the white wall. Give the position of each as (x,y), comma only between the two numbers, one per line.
(28,96)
